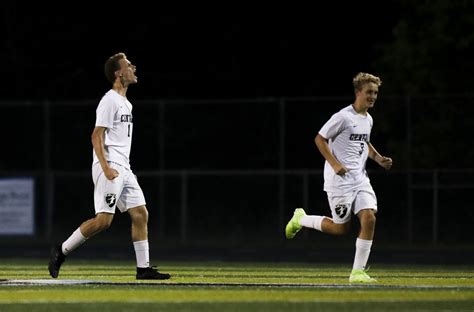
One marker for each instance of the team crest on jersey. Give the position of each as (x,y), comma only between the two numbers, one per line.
(111,199)
(341,210)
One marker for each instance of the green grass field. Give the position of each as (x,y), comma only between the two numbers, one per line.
(223,286)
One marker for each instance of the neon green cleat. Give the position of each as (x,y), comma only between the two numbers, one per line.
(360,276)
(294,225)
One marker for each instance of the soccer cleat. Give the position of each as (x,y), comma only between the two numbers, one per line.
(360,276)
(151,274)
(294,225)
(56,259)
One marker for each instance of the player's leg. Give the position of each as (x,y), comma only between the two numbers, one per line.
(106,193)
(367,223)
(132,200)
(94,226)
(330,227)
(365,238)
(321,223)
(87,229)
(339,224)
(139,220)
(366,235)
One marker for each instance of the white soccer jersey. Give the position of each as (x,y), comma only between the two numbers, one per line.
(114,112)
(348,134)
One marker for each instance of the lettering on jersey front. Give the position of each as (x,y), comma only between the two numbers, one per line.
(126,118)
(364,137)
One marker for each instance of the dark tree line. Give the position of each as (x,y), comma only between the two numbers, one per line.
(431,59)
(432,51)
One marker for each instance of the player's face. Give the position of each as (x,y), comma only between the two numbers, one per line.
(368,94)
(127,70)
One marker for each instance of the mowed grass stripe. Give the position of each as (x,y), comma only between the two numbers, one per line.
(212,273)
(241,306)
(137,294)
(59,283)
(243,286)
(233,280)
(209,271)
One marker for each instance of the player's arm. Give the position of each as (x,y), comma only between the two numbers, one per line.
(323,147)
(98,143)
(385,162)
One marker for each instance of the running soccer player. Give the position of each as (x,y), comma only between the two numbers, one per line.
(344,142)
(115,185)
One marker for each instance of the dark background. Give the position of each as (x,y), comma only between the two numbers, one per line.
(235,51)
(194,52)
(218,76)
(422,49)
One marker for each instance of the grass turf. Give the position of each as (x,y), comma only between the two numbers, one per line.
(221,286)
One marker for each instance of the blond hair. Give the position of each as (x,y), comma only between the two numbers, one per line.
(363,78)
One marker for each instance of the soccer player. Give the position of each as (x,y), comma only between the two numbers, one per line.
(115,185)
(344,141)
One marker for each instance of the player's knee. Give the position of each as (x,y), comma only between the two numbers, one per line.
(368,220)
(143,218)
(140,215)
(372,221)
(103,223)
(341,229)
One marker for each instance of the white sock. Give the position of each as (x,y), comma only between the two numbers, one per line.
(75,240)
(313,222)
(362,253)
(142,253)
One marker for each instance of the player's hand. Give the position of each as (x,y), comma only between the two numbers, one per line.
(385,162)
(340,169)
(111,173)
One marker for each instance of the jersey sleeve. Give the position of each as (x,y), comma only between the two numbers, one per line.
(333,126)
(105,114)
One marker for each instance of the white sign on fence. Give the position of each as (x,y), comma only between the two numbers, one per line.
(17,206)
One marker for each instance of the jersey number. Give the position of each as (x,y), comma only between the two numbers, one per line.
(128,130)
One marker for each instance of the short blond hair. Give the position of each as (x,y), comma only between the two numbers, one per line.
(363,78)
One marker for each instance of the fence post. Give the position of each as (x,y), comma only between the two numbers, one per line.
(435,207)
(162,167)
(281,187)
(47,174)
(184,207)
(408,131)
(305,190)
(305,196)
